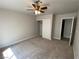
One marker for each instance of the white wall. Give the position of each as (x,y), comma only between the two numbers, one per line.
(67,28)
(46,25)
(76,41)
(15,27)
(58,24)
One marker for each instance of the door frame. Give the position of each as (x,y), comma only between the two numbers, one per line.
(70,39)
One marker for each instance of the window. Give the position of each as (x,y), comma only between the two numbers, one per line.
(8,54)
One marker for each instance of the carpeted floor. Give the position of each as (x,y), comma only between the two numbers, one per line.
(39,48)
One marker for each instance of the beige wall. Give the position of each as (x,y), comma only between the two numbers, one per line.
(76,41)
(58,23)
(15,27)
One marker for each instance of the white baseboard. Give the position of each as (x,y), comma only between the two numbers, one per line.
(56,38)
(17,41)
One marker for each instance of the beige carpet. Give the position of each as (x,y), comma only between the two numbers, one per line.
(39,48)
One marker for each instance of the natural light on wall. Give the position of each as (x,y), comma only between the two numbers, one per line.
(8,54)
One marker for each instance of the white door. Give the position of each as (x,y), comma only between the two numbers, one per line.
(46,28)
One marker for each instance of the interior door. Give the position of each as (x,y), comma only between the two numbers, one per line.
(72,31)
(46,28)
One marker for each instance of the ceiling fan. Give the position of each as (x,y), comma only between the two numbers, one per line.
(38,7)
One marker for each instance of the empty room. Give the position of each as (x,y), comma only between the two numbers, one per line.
(39,29)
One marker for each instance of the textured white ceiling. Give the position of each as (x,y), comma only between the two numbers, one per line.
(55,6)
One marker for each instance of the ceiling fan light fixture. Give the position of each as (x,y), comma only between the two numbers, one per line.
(38,7)
(37,12)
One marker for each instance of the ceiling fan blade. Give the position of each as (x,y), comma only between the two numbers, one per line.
(34,5)
(44,8)
(41,11)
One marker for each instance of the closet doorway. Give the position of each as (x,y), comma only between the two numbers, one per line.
(39,28)
(67,29)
